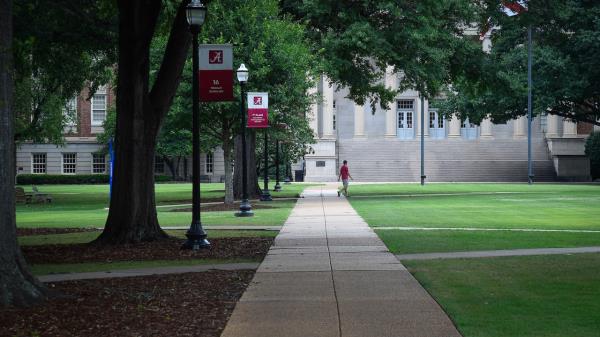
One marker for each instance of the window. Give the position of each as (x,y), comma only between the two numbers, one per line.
(70,111)
(435,120)
(98,163)
(405,104)
(69,163)
(209,163)
(38,163)
(159,165)
(334,120)
(409,120)
(334,104)
(99,106)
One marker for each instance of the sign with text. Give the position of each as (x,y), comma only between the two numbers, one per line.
(258,110)
(216,72)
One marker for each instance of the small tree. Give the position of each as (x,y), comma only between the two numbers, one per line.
(592,150)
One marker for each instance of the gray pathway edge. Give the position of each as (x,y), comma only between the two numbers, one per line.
(147,271)
(498,253)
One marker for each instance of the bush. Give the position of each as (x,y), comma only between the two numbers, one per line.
(592,150)
(49,179)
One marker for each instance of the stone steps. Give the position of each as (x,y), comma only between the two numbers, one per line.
(501,160)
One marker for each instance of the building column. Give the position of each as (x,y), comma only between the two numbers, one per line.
(313,114)
(454,129)
(391,82)
(520,127)
(327,108)
(551,126)
(569,129)
(486,129)
(359,121)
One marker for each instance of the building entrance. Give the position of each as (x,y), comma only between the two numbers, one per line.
(405,110)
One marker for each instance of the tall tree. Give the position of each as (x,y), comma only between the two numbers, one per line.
(17,285)
(141,110)
(566,66)
(280,62)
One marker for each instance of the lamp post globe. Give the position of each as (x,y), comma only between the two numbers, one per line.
(245,207)
(196,236)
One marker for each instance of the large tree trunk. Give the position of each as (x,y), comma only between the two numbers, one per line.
(253,188)
(140,112)
(227,158)
(17,285)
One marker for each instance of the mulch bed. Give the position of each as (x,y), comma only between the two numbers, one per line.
(195,304)
(48,231)
(220,208)
(168,249)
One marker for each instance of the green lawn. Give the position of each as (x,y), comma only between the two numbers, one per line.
(85,206)
(504,206)
(537,296)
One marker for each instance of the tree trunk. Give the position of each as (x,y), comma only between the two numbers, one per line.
(253,188)
(140,112)
(171,165)
(17,286)
(227,158)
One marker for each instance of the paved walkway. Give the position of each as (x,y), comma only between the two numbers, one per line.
(328,274)
(498,253)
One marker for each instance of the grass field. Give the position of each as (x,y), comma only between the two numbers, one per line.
(85,206)
(479,206)
(533,296)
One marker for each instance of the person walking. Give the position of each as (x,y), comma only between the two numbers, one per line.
(344,175)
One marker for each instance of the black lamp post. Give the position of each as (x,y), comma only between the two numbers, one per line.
(245,207)
(277,186)
(266,195)
(196,236)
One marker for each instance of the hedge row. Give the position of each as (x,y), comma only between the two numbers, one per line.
(48,179)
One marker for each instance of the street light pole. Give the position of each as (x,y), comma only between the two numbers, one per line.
(529,113)
(245,207)
(266,196)
(196,236)
(277,186)
(423,140)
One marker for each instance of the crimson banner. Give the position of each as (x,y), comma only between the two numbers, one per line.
(258,110)
(216,72)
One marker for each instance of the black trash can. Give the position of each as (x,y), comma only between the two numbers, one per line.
(298,175)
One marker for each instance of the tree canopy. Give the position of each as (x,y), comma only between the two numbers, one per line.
(565,71)
(357,40)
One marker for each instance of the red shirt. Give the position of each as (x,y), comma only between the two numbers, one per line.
(344,172)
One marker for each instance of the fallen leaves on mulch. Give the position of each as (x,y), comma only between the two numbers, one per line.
(168,249)
(195,304)
(47,231)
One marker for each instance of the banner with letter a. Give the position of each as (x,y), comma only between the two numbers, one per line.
(216,72)
(258,110)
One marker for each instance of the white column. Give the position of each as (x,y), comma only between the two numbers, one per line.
(551,126)
(359,121)
(569,129)
(454,129)
(486,128)
(426,112)
(313,114)
(327,108)
(391,82)
(520,127)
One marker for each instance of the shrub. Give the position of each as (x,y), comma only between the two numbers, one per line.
(49,179)
(592,150)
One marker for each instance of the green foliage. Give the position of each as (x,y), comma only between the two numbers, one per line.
(592,150)
(357,40)
(566,67)
(58,47)
(76,179)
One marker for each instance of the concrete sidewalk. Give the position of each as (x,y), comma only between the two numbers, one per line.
(328,274)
